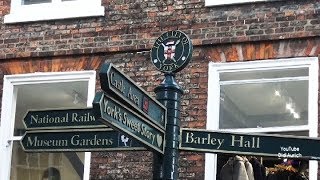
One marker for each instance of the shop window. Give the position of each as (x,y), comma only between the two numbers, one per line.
(224,2)
(39,10)
(271,96)
(40,91)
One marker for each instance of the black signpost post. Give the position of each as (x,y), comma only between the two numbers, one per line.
(169,93)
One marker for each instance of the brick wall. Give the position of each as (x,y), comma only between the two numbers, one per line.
(193,79)
(133,26)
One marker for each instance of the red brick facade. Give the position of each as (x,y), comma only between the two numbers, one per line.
(133,26)
(124,36)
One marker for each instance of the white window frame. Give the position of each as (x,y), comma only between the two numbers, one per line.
(9,98)
(214,98)
(57,9)
(225,2)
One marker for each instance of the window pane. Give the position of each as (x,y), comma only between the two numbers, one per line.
(262,105)
(48,96)
(27,2)
(268,74)
(36,166)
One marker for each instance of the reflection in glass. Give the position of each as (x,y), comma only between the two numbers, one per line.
(264,74)
(260,105)
(57,96)
(36,166)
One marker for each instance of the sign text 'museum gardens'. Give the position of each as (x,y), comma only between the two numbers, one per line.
(104,139)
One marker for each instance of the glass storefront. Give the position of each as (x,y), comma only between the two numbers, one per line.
(273,97)
(41,166)
(45,91)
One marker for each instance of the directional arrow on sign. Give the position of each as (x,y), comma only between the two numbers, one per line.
(250,144)
(113,81)
(78,140)
(118,116)
(61,119)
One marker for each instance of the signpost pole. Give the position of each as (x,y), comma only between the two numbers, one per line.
(169,94)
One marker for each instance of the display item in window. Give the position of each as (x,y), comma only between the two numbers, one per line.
(237,168)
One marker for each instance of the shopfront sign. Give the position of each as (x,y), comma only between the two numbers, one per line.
(61,119)
(113,81)
(120,117)
(78,140)
(250,144)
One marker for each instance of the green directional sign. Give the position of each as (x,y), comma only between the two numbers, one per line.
(118,116)
(78,140)
(61,119)
(113,81)
(250,144)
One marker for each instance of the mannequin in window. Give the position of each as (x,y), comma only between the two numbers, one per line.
(51,174)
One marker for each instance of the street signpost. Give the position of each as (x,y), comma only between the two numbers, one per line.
(113,81)
(142,122)
(78,140)
(171,53)
(250,144)
(61,119)
(118,116)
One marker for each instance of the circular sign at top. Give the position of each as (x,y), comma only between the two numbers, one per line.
(171,52)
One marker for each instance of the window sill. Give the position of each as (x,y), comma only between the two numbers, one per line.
(43,13)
